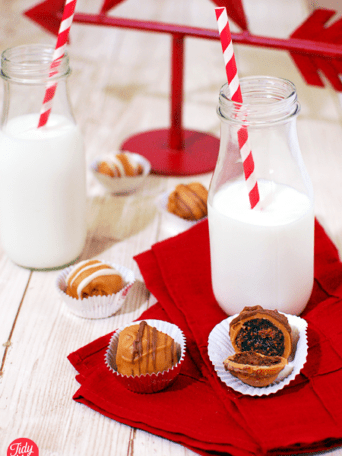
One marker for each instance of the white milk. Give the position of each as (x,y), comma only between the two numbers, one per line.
(42,191)
(261,257)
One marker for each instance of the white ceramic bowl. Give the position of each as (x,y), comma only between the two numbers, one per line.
(125,184)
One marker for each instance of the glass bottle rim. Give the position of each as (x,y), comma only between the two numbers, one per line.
(266,100)
(30,64)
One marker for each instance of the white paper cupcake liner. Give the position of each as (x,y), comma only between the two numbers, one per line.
(124,184)
(149,383)
(220,347)
(96,306)
(174,221)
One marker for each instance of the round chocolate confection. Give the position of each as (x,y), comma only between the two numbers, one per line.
(189,201)
(121,164)
(254,368)
(142,349)
(264,331)
(93,278)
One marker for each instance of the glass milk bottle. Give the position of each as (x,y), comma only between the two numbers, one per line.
(261,256)
(42,170)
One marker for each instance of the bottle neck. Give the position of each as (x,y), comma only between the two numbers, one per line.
(31,64)
(26,71)
(266,101)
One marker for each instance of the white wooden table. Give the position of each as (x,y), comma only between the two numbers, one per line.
(120,86)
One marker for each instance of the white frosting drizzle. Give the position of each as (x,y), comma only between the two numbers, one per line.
(130,159)
(132,162)
(118,163)
(79,266)
(87,280)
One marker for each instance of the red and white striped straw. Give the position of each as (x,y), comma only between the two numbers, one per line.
(235,94)
(62,39)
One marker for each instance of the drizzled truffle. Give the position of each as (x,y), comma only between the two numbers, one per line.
(142,349)
(189,201)
(254,368)
(93,278)
(263,331)
(119,165)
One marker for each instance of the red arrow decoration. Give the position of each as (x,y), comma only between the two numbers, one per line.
(47,14)
(314,46)
(234,9)
(314,29)
(109,4)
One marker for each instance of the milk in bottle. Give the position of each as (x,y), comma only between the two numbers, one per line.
(262,256)
(42,170)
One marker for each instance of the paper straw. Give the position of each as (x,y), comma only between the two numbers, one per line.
(62,39)
(236,96)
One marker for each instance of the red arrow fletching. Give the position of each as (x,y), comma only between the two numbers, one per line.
(316,30)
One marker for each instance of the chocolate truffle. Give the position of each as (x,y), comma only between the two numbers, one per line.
(189,201)
(93,278)
(264,331)
(254,368)
(142,349)
(121,164)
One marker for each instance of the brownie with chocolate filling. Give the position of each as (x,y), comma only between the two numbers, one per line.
(263,331)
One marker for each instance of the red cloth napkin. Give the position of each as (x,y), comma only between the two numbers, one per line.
(198,410)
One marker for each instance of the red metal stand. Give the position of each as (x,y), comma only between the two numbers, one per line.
(197,155)
(176,151)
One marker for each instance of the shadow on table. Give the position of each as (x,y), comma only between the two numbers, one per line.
(137,297)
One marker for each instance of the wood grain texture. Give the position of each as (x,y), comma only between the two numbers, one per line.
(120,85)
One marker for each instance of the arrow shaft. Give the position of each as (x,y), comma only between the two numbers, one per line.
(296,45)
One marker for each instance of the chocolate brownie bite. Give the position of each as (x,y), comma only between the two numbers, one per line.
(263,331)
(254,368)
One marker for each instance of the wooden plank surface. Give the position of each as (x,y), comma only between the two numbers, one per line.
(120,85)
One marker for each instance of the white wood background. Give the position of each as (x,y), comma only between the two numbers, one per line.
(120,86)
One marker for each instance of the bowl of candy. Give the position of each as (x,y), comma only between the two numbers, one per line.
(121,172)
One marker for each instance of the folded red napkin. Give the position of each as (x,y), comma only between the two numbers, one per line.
(198,410)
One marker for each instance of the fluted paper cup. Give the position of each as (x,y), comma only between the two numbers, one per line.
(149,383)
(96,306)
(220,347)
(175,223)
